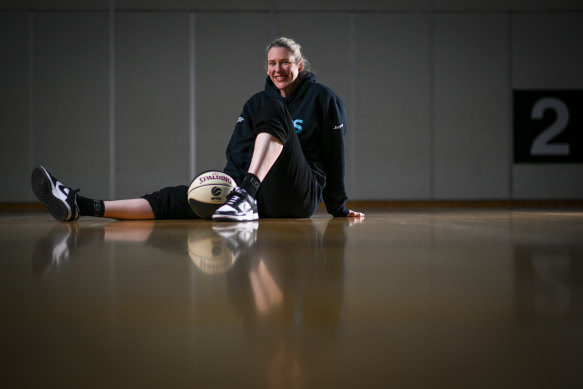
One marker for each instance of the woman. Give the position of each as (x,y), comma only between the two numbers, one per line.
(286,155)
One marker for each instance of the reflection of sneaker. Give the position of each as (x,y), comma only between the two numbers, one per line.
(239,237)
(55,248)
(60,200)
(238,207)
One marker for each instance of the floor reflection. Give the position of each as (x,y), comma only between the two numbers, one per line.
(409,299)
(283,283)
(288,290)
(59,244)
(549,283)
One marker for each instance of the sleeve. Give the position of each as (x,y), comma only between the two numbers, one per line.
(240,147)
(332,138)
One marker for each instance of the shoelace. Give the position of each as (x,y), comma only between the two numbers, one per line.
(73,192)
(234,198)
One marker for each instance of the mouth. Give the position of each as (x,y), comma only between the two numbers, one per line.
(279,78)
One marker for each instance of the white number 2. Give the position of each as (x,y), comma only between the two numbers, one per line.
(541,145)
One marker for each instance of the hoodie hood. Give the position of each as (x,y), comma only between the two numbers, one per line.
(304,81)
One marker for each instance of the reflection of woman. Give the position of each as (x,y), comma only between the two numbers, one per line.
(291,297)
(286,154)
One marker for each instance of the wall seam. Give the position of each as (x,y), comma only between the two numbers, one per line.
(192,93)
(352,91)
(32,159)
(510,111)
(431,108)
(112,128)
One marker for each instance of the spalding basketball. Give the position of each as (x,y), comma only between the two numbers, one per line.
(208,191)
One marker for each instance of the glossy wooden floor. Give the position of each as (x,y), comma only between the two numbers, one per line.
(406,299)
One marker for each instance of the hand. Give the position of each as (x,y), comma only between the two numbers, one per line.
(355,214)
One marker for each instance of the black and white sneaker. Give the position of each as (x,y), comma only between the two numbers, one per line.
(59,199)
(238,207)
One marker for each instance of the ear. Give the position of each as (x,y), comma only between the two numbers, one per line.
(301,65)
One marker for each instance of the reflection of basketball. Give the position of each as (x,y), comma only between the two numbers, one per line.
(208,191)
(209,252)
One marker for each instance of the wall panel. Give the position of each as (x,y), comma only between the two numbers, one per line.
(152,102)
(391,107)
(547,55)
(193,5)
(15,141)
(70,92)
(44,5)
(507,5)
(230,57)
(471,155)
(349,5)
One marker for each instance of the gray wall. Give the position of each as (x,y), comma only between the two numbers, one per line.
(121,98)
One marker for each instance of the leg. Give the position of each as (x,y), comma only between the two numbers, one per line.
(132,209)
(294,191)
(241,204)
(267,150)
(65,205)
(291,188)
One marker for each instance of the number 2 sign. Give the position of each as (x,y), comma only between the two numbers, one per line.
(548,126)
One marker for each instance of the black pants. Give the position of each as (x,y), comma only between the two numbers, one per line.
(290,189)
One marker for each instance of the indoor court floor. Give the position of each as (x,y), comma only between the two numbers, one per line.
(406,298)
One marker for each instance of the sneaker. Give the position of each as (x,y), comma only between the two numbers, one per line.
(59,199)
(238,207)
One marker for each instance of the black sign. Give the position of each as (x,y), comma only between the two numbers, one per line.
(548,126)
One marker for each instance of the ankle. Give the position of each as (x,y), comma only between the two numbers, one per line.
(90,207)
(251,184)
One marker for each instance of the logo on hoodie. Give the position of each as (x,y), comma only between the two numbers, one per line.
(297,125)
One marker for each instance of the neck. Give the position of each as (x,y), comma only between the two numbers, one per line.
(288,91)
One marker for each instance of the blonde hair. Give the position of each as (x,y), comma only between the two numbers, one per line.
(294,48)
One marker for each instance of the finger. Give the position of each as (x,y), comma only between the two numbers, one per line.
(352,213)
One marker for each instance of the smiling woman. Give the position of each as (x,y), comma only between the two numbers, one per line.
(286,155)
(285,63)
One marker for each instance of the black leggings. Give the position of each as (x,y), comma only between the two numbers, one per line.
(289,190)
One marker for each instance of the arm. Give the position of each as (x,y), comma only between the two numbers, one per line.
(240,147)
(333,157)
(332,141)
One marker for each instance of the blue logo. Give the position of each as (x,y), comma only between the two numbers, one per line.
(297,123)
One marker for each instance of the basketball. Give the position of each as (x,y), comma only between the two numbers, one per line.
(208,191)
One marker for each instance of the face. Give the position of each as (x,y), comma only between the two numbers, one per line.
(283,69)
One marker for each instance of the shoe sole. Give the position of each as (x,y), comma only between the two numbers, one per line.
(234,218)
(42,186)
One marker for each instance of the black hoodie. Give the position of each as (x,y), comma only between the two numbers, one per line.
(318,116)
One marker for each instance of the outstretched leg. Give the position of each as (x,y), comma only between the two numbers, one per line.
(65,204)
(131,209)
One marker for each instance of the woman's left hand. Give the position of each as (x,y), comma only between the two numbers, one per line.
(355,214)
